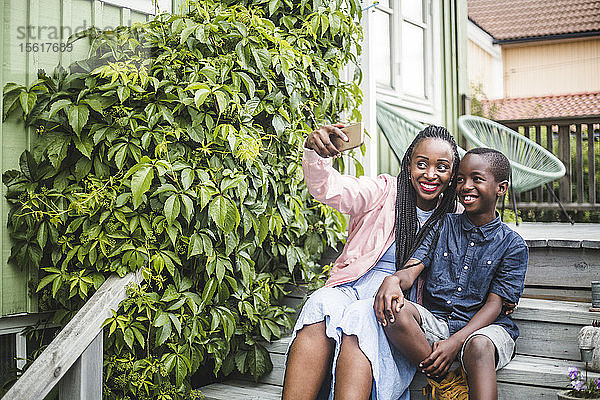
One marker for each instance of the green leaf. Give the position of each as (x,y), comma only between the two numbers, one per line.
(273,6)
(78,117)
(172,208)
(57,145)
(195,246)
(140,184)
(187,178)
(123,92)
(128,337)
(85,145)
(201,95)
(188,207)
(46,280)
(262,57)
(209,290)
(221,100)
(59,105)
(258,361)
(163,333)
(28,100)
(181,370)
(42,234)
(28,165)
(224,213)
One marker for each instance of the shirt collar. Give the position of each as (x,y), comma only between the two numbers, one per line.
(485,230)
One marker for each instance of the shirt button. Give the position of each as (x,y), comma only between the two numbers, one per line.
(471,244)
(445,254)
(459,289)
(466,267)
(489,262)
(448,302)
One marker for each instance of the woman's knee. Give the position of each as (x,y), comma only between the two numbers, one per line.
(479,349)
(329,300)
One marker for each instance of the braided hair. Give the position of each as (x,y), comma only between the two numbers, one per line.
(407,224)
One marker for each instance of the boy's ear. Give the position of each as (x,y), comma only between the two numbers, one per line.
(502,188)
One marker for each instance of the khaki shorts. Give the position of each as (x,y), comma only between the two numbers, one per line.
(436,329)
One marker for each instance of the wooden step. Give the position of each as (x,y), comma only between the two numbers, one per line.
(546,349)
(549,328)
(238,389)
(527,377)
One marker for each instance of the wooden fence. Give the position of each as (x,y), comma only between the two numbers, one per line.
(576,142)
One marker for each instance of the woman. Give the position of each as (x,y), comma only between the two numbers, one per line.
(388,220)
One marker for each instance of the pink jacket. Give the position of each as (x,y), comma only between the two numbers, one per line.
(370,202)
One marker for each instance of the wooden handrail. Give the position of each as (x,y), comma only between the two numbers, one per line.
(68,346)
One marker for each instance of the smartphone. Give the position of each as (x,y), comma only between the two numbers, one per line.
(355,134)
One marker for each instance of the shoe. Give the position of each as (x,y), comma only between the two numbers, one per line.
(453,387)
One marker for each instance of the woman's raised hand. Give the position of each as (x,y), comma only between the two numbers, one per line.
(320,140)
(389,298)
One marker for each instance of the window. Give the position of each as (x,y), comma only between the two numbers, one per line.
(402,54)
(145,6)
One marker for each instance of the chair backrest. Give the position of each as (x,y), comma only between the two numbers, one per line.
(398,129)
(532,165)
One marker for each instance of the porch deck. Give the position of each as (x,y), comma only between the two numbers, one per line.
(558,234)
(555,305)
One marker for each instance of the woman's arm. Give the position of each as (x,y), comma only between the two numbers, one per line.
(444,352)
(390,297)
(345,193)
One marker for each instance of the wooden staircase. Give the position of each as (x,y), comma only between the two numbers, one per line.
(551,313)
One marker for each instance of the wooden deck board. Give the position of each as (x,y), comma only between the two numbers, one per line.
(562,312)
(557,233)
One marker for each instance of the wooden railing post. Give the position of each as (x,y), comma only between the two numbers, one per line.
(83,381)
(564,155)
(591,164)
(82,335)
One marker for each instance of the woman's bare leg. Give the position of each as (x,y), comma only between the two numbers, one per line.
(308,363)
(353,374)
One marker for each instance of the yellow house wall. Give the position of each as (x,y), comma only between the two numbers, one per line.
(538,69)
(480,69)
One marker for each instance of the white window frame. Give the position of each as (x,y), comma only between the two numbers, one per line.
(143,6)
(432,90)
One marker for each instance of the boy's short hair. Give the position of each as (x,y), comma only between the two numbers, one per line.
(499,164)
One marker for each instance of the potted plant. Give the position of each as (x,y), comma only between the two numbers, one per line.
(581,388)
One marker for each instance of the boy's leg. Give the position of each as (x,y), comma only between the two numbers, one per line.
(479,361)
(308,362)
(406,335)
(353,375)
(484,352)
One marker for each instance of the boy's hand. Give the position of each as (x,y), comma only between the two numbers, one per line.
(508,307)
(320,141)
(389,298)
(438,363)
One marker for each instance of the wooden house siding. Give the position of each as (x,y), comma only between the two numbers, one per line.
(559,67)
(46,19)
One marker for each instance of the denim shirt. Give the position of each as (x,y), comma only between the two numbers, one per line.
(467,263)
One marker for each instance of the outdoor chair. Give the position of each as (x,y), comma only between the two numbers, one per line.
(398,129)
(531,164)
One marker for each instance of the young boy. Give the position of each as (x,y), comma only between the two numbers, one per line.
(472,263)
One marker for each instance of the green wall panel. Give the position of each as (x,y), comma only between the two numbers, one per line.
(52,21)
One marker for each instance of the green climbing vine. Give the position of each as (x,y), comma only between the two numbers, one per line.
(175,149)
